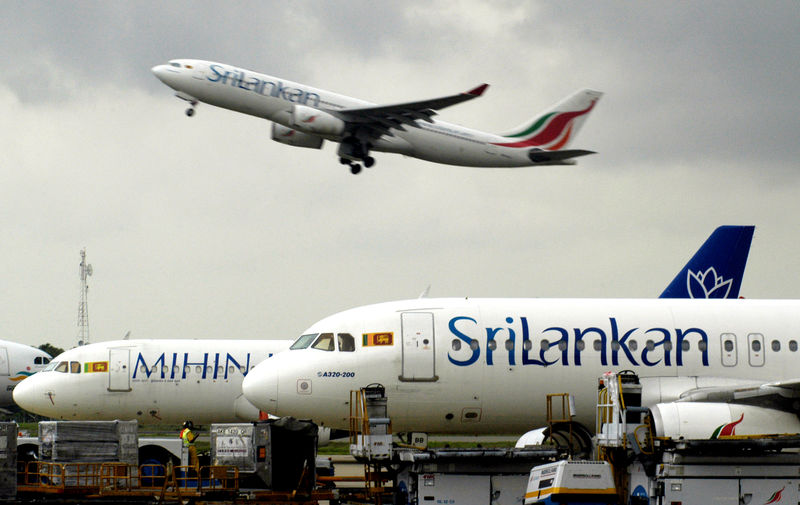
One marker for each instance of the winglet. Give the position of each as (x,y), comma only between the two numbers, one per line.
(477,91)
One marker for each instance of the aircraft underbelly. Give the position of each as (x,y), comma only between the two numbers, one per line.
(439,148)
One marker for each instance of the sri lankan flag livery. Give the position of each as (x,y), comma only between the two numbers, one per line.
(95,366)
(373,339)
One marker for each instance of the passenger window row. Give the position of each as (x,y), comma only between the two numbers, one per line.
(633,345)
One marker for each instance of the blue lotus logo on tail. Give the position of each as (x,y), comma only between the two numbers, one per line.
(707,284)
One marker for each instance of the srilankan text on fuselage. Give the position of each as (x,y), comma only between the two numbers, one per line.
(259,84)
(614,344)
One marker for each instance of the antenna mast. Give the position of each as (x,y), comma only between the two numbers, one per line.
(83,307)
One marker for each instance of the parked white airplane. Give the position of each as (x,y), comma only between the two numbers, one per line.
(17,362)
(485,365)
(152,381)
(463,365)
(303,116)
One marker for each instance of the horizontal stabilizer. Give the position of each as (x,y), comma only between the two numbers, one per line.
(541,156)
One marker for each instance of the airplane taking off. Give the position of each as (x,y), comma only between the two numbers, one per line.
(17,362)
(303,116)
(485,365)
(152,381)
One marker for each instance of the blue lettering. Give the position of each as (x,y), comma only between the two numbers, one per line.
(579,334)
(664,342)
(229,360)
(476,352)
(240,79)
(619,340)
(512,337)
(544,346)
(218,75)
(313,98)
(620,343)
(565,347)
(527,345)
(186,364)
(149,370)
(680,335)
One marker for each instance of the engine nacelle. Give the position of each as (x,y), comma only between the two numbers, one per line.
(704,421)
(311,120)
(288,136)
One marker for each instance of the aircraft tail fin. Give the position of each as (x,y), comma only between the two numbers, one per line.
(717,268)
(556,127)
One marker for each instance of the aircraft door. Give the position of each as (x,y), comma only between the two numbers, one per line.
(4,366)
(729,352)
(119,369)
(418,347)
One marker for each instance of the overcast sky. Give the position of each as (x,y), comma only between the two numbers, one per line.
(205,228)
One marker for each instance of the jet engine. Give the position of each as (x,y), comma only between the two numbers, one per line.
(289,136)
(311,120)
(703,420)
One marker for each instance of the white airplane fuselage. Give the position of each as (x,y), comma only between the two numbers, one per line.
(17,362)
(152,381)
(485,365)
(275,99)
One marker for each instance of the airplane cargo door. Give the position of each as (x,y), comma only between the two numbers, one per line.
(4,367)
(418,347)
(119,369)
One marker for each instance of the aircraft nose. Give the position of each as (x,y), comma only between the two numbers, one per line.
(159,71)
(31,395)
(260,387)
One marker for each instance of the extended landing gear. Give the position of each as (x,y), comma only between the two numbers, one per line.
(352,150)
(355,168)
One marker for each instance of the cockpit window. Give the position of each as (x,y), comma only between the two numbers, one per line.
(346,342)
(51,366)
(40,360)
(174,64)
(62,366)
(324,342)
(74,367)
(304,341)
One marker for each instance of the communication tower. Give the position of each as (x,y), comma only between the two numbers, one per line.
(83,307)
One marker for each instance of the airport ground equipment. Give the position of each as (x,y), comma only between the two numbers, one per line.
(8,459)
(74,472)
(370,426)
(89,441)
(466,476)
(280,454)
(652,464)
(584,482)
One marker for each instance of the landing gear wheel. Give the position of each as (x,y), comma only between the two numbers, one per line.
(369,161)
(355,168)
(190,111)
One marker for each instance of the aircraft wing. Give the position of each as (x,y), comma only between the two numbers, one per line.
(380,120)
(768,394)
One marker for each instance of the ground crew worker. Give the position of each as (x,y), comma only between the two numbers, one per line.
(189,436)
